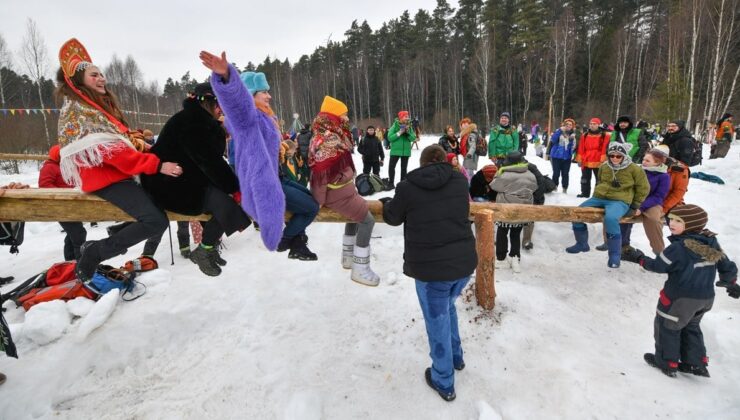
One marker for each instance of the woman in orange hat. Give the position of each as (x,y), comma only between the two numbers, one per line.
(332,185)
(99,155)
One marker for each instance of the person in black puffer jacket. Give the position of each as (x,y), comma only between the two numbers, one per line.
(679,142)
(371,150)
(195,140)
(304,140)
(439,252)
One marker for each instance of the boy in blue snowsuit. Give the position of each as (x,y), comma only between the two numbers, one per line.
(691,261)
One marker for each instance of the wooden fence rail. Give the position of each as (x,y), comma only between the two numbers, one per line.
(62,205)
(19,156)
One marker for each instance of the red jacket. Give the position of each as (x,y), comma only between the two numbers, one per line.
(51,176)
(124,163)
(592,149)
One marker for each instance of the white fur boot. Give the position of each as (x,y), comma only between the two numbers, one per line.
(361,272)
(348,246)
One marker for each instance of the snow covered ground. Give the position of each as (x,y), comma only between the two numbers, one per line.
(273,338)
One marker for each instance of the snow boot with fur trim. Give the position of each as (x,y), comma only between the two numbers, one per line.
(361,271)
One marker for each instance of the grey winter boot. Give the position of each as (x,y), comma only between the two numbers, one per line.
(348,246)
(206,260)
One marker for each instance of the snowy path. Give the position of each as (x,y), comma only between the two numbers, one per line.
(278,338)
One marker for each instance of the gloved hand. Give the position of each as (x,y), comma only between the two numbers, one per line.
(733,289)
(384,200)
(635,256)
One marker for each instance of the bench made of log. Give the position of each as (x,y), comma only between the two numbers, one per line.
(68,205)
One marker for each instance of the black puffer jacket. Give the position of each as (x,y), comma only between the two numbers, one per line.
(371,149)
(680,145)
(196,141)
(304,140)
(433,204)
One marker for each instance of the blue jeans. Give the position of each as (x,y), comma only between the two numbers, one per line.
(300,202)
(614,210)
(437,300)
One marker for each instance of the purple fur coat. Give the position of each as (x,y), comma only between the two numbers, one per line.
(256,143)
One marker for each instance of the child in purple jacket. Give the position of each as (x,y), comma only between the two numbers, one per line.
(651,209)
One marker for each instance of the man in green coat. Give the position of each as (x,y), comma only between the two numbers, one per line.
(401,136)
(625,132)
(503,140)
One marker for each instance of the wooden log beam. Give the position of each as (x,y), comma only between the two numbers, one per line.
(51,205)
(485,288)
(20,156)
(65,205)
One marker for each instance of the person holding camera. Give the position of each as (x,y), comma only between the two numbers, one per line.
(401,136)
(621,188)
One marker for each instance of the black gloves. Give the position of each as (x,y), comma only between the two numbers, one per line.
(635,256)
(385,200)
(733,289)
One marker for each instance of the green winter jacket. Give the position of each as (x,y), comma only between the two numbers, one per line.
(401,143)
(633,138)
(501,144)
(633,185)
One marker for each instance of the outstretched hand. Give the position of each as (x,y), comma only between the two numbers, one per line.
(216,64)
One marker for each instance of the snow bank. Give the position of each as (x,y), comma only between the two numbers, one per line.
(46,322)
(278,338)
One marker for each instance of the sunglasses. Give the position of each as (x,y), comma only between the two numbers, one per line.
(615,156)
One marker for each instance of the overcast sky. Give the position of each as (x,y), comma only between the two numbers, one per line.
(164,37)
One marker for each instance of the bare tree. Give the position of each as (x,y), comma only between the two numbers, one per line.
(35,58)
(696,11)
(481,69)
(5,62)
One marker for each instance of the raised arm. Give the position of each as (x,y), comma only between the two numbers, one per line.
(233,97)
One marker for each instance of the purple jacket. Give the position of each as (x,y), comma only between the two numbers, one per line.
(256,143)
(660,183)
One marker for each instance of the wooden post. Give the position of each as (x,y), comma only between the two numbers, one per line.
(485,289)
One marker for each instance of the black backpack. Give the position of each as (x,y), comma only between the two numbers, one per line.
(11,233)
(696,156)
(364,187)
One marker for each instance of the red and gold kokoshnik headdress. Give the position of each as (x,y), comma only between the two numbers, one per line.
(73,57)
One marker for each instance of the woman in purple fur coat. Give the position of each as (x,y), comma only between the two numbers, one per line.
(256,140)
(652,208)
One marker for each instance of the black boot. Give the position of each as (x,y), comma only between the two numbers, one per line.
(284,244)
(668,371)
(185,251)
(446,395)
(89,260)
(219,260)
(206,260)
(695,370)
(299,249)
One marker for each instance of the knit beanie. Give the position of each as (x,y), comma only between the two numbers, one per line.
(489,171)
(402,115)
(680,123)
(450,156)
(693,216)
(333,106)
(595,120)
(203,91)
(255,82)
(506,114)
(662,149)
(513,158)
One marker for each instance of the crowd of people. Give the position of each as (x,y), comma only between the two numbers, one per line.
(224,154)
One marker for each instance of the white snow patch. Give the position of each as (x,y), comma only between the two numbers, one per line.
(486,412)
(304,405)
(99,313)
(46,322)
(80,306)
